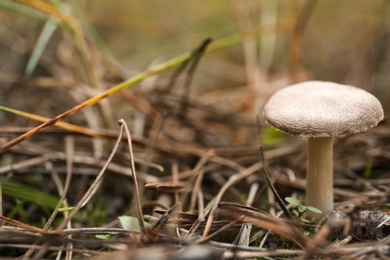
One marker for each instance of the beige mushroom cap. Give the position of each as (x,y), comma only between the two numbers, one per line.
(322,109)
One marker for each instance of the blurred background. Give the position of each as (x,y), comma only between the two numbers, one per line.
(282,42)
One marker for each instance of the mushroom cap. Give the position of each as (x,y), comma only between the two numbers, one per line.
(322,109)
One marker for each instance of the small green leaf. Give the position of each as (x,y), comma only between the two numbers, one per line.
(63,209)
(302,208)
(272,137)
(103,237)
(304,220)
(293,201)
(131,223)
(313,209)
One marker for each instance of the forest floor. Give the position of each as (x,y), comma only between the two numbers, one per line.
(163,170)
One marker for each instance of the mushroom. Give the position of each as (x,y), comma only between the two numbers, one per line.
(321,111)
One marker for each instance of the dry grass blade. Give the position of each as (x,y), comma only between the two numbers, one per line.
(63,125)
(137,195)
(264,220)
(196,55)
(28,227)
(212,207)
(170,187)
(219,231)
(290,254)
(94,185)
(156,228)
(181,218)
(274,191)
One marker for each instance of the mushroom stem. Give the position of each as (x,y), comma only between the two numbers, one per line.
(319,177)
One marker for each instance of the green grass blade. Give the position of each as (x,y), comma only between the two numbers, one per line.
(368,171)
(29,194)
(47,32)
(23,9)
